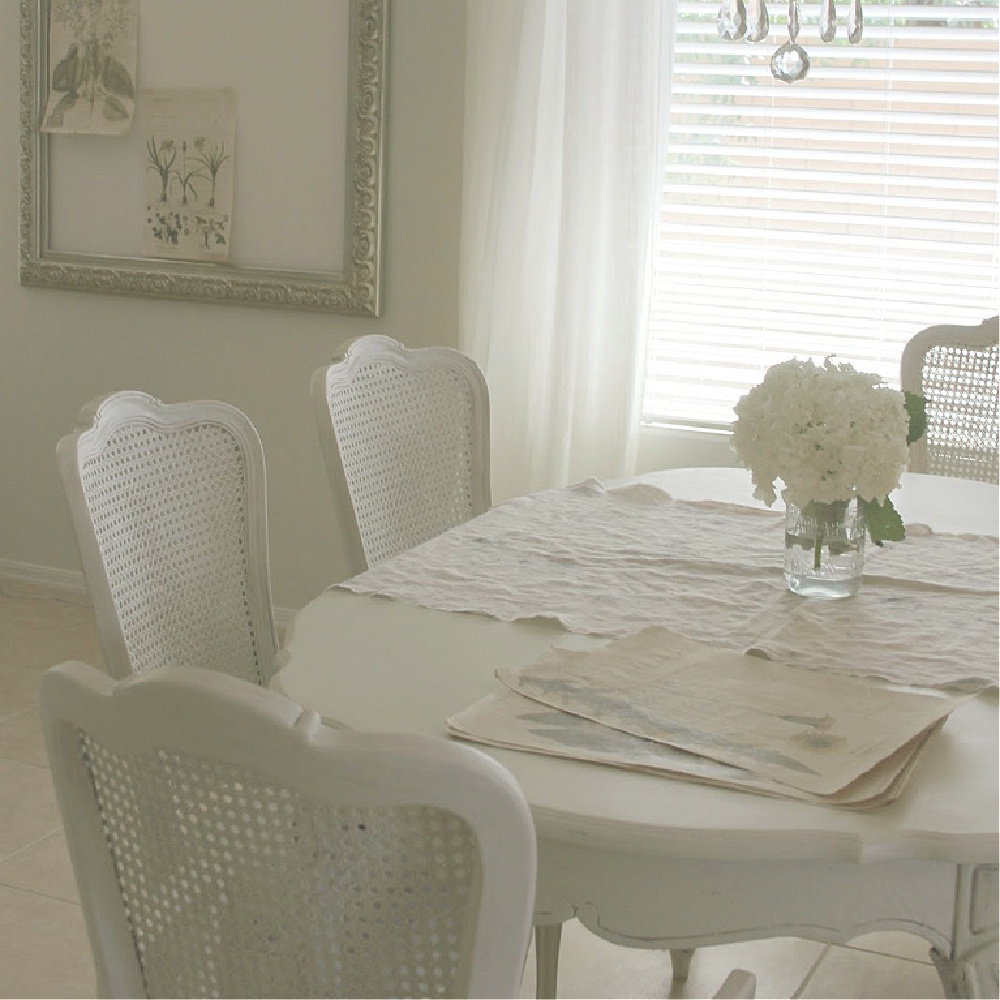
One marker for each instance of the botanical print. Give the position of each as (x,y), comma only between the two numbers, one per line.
(190,140)
(92,60)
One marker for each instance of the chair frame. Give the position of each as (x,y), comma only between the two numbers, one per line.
(355,355)
(209,715)
(98,421)
(985,334)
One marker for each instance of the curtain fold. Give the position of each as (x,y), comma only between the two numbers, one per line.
(562,169)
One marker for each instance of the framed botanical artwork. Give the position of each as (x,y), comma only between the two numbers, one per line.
(190,140)
(229,151)
(92,52)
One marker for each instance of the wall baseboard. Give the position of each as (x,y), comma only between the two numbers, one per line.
(70,583)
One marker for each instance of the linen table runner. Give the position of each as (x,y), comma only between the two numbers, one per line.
(616,561)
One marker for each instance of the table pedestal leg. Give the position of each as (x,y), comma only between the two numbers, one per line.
(680,963)
(547,938)
(971,970)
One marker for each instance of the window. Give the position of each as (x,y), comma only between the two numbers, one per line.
(837,215)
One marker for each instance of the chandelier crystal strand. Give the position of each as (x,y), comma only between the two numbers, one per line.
(793,20)
(732,23)
(790,62)
(855,22)
(827,21)
(758,23)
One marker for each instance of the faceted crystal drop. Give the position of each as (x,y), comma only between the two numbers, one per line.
(790,63)
(732,21)
(827,21)
(757,21)
(855,22)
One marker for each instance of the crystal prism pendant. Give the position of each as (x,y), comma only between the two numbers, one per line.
(855,22)
(790,63)
(732,21)
(758,24)
(793,19)
(827,21)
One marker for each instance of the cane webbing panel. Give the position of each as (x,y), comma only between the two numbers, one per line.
(236,886)
(407,444)
(960,387)
(170,513)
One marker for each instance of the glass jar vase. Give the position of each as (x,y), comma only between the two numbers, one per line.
(825,548)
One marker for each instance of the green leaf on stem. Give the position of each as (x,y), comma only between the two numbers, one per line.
(884,523)
(916,410)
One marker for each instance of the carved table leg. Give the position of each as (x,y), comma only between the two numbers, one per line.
(547,938)
(680,961)
(971,970)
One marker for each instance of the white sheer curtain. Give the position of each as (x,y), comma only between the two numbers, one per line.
(561,182)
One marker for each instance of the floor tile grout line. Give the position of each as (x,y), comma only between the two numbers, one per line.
(7,716)
(10,716)
(811,972)
(4,859)
(864,951)
(26,763)
(39,892)
(889,954)
(59,595)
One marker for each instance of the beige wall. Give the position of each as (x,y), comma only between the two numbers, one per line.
(59,349)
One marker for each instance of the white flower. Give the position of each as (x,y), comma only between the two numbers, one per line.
(826,432)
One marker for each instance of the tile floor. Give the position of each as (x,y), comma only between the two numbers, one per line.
(43,946)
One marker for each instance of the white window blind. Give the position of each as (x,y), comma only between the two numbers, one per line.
(837,215)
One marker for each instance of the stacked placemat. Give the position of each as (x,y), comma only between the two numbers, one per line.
(662,703)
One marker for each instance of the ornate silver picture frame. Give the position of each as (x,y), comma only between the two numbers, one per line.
(354,289)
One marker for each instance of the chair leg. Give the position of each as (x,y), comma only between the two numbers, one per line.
(547,938)
(680,961)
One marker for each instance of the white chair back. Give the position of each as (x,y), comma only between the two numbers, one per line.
(955,368)
(405,435)
(226,843)
(169,508)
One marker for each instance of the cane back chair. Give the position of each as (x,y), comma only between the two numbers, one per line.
(955,369)
(169,509)
(226,843)
(405,435)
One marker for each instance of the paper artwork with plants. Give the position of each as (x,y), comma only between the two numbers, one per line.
(190,139)
(92,61)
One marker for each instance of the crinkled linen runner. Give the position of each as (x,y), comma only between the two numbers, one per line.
(614,561)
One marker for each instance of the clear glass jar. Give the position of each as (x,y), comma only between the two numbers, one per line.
(825,548)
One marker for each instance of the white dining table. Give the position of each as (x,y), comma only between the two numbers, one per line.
(651,862)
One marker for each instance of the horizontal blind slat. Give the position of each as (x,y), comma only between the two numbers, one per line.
(841,214)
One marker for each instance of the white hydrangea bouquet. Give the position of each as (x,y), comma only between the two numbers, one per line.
(829,433)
